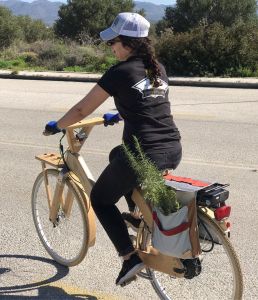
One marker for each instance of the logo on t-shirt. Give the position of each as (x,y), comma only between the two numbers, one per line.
(148,90)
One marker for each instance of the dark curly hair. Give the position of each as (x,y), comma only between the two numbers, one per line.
(143,48)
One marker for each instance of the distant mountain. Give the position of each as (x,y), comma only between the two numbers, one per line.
(47,11)
(153,12)
(39,9)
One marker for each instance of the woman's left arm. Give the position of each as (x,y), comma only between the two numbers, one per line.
(85,107)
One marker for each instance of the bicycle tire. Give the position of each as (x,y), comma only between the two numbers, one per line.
(67,241)
(218,276)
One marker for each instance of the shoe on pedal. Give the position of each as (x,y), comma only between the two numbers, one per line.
(130,221)
(130,268)
(193,267)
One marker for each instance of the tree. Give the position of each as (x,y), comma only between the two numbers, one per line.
(190,13)
(8,28)
(214,50)
(33,30)
(88,17)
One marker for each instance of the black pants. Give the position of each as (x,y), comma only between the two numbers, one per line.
(118,180)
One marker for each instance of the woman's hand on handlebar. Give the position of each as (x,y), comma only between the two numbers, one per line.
(111,119)
(52,128)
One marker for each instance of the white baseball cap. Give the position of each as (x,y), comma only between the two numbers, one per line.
(128,24)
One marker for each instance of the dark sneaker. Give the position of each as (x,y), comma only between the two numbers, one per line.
(130,268)
(193,267)
(131,221)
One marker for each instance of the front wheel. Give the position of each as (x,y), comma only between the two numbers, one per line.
(221,276)
(66,240)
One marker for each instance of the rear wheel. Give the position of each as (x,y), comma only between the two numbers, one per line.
(221,276)
(66,241)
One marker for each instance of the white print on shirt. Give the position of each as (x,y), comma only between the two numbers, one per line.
(146,88)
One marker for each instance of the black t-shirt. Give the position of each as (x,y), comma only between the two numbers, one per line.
(145,109)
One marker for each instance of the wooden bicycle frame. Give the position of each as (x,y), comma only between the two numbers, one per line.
(82,177)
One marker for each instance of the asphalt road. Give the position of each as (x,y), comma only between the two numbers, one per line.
(219,129)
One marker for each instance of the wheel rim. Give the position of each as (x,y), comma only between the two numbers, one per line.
(66,241)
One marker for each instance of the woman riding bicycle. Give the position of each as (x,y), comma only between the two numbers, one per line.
(139,85)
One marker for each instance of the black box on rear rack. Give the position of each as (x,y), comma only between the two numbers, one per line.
(207,194)
(212,195)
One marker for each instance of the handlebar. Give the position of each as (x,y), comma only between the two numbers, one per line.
(86,123)
(107,119)
(81,124)
(76,139)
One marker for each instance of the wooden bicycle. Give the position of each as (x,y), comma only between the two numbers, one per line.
(65,223)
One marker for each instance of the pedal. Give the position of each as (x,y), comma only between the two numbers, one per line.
(128,281)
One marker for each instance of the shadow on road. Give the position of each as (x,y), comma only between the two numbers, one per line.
(43,290)
(48,293)
(60,271)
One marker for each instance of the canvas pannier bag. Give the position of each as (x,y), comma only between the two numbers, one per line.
(188,188)
(177,234)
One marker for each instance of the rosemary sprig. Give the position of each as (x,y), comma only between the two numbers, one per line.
(155,191)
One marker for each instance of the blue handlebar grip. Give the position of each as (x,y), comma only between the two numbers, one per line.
(52,127)
(111,119)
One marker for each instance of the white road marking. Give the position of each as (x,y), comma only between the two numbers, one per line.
(188,160)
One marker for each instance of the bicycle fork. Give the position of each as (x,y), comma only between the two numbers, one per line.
(57,201)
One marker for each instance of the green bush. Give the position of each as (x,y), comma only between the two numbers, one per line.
(18,63)
(5,64)
(9,30)
(29,57)
(58,55)
(51,51)
(75,69)
(88,58)
(186,14)
(49,54)
(23,28)
(33,30)
(212,50)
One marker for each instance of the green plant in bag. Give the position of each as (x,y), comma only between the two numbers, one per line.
(155,191)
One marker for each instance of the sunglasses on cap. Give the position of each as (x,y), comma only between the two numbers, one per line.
(112,42)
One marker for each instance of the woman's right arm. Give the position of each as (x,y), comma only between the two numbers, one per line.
(85,107)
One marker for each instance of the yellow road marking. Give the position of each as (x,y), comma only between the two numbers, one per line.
(74,290)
